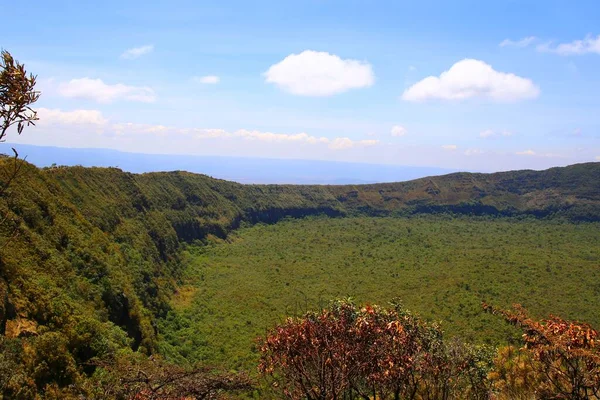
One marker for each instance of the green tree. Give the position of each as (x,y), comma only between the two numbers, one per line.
(17,94)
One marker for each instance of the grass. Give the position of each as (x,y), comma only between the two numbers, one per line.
(441,268)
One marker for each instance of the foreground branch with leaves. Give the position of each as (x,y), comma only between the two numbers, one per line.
(17,94)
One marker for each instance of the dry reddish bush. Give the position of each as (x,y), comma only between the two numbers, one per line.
(367,353)
(564,354)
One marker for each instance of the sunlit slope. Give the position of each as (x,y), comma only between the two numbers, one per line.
(441,267)
(99,246)
(573,192)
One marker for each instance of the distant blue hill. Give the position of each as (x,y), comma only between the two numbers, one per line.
(244,170)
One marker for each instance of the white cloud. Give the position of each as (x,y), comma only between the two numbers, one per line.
(208,79)
(342,143)
(75,117)
(473,152)
(525,153)
(597,158)
(588,45)
(206,133)
(279,137)
(136,52)
(97,90)
(526,41)
(313,73)
(66,131)
(471,78)
(339,143)
(487,133)
(449,147)
(491,134)
(398,130)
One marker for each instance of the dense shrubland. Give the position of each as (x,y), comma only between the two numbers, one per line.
(89,257)
(442,267)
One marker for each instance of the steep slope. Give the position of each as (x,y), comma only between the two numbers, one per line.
(573,192)
(84,251)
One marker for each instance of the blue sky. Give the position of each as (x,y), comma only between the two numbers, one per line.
(359,81)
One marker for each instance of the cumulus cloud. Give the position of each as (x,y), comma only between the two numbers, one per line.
(525,153)
(471,78)
(449,147)
(75,117)
(207,80)
(398,130)
(588,45)
(97,90)
(313,73)
(491,134)
(137,52)
(526,41)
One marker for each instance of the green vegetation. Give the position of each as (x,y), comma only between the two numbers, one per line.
(90,258)
(440,267)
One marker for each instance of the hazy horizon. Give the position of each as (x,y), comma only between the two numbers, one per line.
(239,169)
(461,86)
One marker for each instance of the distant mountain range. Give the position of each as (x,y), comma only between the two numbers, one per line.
(243,170)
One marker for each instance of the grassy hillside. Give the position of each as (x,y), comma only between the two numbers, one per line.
(90,256)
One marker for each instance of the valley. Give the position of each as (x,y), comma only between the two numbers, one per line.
(439,267)
(102,266)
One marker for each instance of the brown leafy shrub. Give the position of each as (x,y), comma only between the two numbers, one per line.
(560,358)
(369,353)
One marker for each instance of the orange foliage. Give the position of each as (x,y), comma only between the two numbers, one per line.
(367,353)
(564,354)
